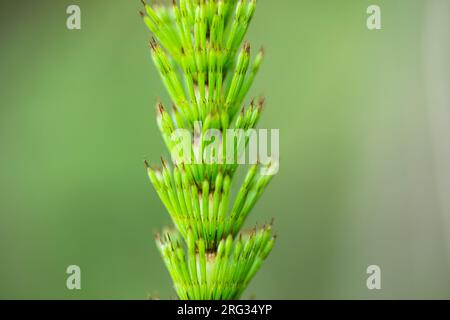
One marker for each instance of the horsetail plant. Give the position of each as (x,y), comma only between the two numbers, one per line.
(207,70)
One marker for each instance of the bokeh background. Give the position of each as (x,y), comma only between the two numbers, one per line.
(365,155)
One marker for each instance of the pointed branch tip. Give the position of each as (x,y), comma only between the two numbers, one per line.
(247,47)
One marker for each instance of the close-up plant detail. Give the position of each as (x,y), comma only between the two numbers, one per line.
(355,93)
(198,50)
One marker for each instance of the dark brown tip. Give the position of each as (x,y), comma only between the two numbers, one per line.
(262,100)
(247,47)
(159,107)
(164,163)
(141,14)
(153,44)
(146,164)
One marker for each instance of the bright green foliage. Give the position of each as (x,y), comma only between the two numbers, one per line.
(203,208)
(207,71)
(222,274)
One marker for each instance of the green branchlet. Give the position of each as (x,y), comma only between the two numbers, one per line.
(200,40)
(220,274)
(203,208)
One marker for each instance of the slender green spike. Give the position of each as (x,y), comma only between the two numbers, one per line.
(212,74)
(217,193)
(249,201)
(251,77)
(196,207)
(202,260)
(268,248)
(193,264)
(180,194)
(223,205)
(228,246)
(151,13)
(238,79)
(239,124)
(182,265)
(152,175)
(205,209)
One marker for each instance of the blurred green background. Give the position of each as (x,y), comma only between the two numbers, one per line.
(365,160)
